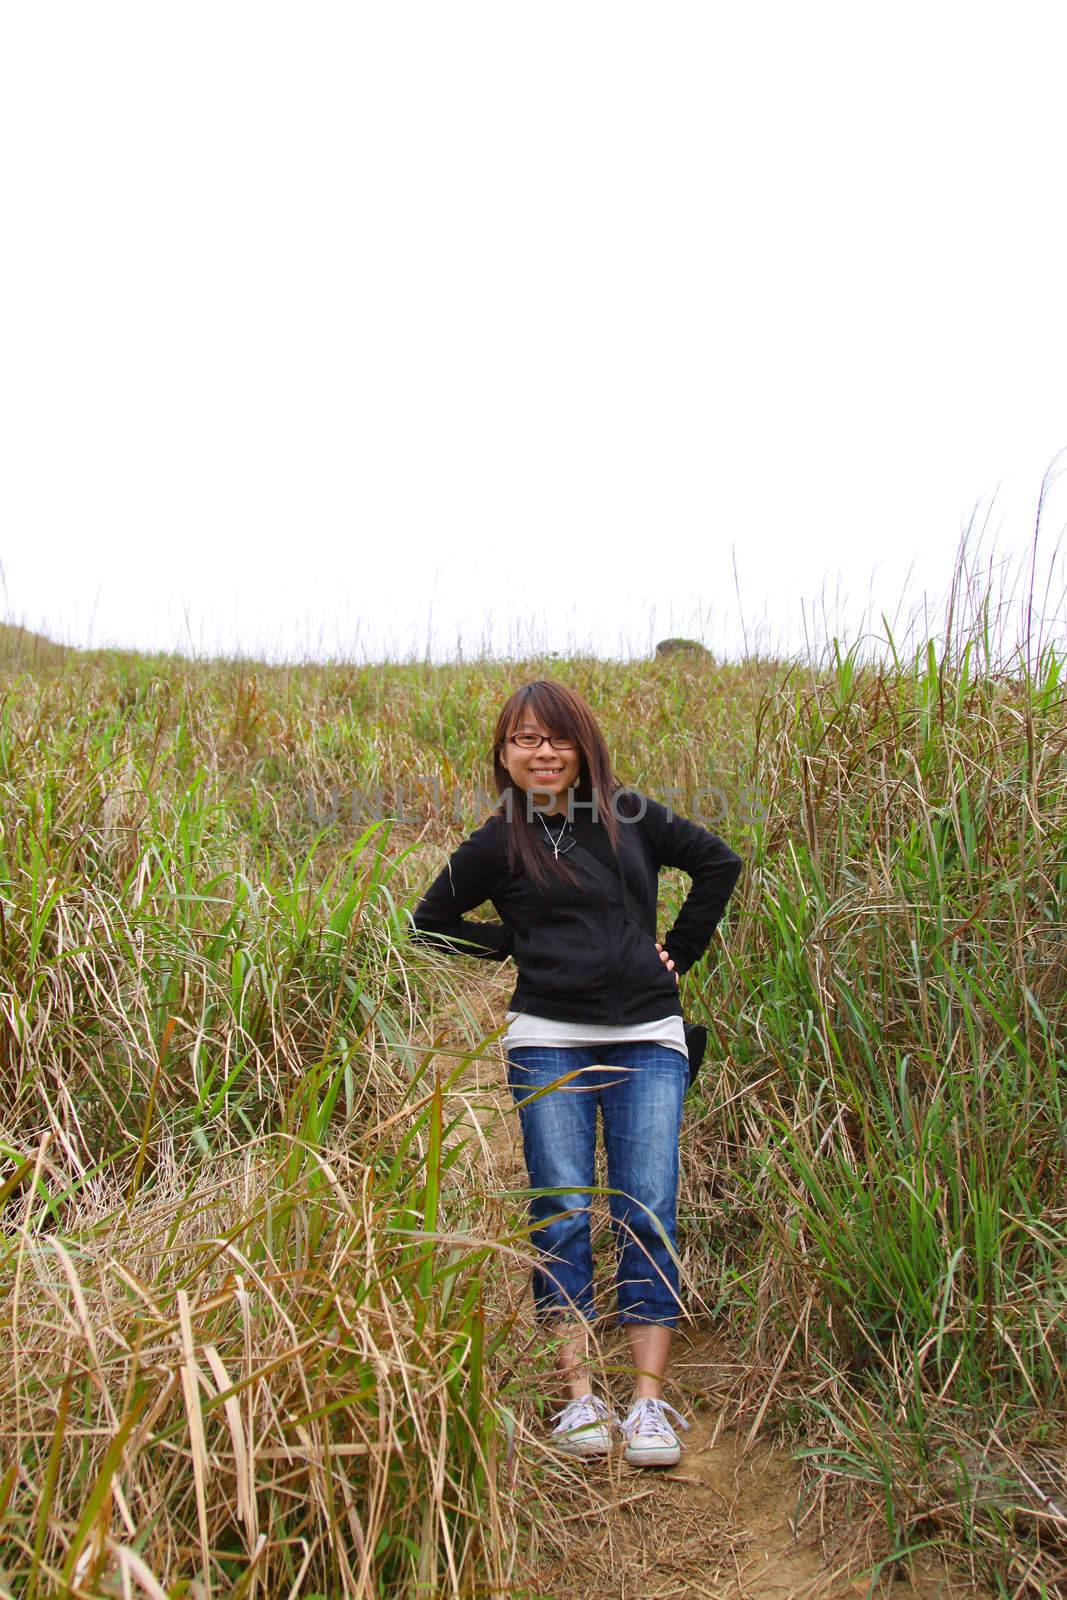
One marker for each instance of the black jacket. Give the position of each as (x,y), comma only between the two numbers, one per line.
(579,957)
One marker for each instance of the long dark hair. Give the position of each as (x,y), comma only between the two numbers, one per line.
(564,713)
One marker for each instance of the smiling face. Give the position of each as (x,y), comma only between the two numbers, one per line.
(544,774)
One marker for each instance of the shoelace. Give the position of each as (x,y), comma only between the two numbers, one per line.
(580,1413)
(646,1417)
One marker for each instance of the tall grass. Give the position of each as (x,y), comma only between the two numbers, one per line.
(243,1349)
(264,1310)
(892,1198)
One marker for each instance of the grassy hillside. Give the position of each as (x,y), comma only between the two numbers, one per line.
(23,650)
(266,1325)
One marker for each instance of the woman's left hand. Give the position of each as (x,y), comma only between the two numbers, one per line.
(664,957)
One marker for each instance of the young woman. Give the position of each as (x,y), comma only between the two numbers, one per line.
(596,1012)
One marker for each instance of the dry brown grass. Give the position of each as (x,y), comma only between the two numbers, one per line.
(263,1289)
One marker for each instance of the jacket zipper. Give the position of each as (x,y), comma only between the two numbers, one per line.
(616,985)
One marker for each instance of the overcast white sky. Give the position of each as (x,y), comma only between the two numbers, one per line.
(368,329)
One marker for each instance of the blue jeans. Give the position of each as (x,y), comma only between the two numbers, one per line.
(641,1107)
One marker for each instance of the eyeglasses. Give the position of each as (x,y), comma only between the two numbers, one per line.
(534,741)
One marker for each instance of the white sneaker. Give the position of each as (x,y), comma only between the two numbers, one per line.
(584,1427)
(650,1439)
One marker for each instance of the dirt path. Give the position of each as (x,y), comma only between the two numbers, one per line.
(727,1522)
(721,1524)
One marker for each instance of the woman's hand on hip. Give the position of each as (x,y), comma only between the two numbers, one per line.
(665,958)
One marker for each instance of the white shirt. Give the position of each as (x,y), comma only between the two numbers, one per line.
(527,1030)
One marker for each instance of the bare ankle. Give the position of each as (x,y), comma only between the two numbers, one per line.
(571,1369)
(575,1381)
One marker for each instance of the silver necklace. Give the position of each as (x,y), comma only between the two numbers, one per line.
(555,838)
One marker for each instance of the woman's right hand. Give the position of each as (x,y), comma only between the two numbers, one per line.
(664,956)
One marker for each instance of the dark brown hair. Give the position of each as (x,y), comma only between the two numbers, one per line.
(564,713)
